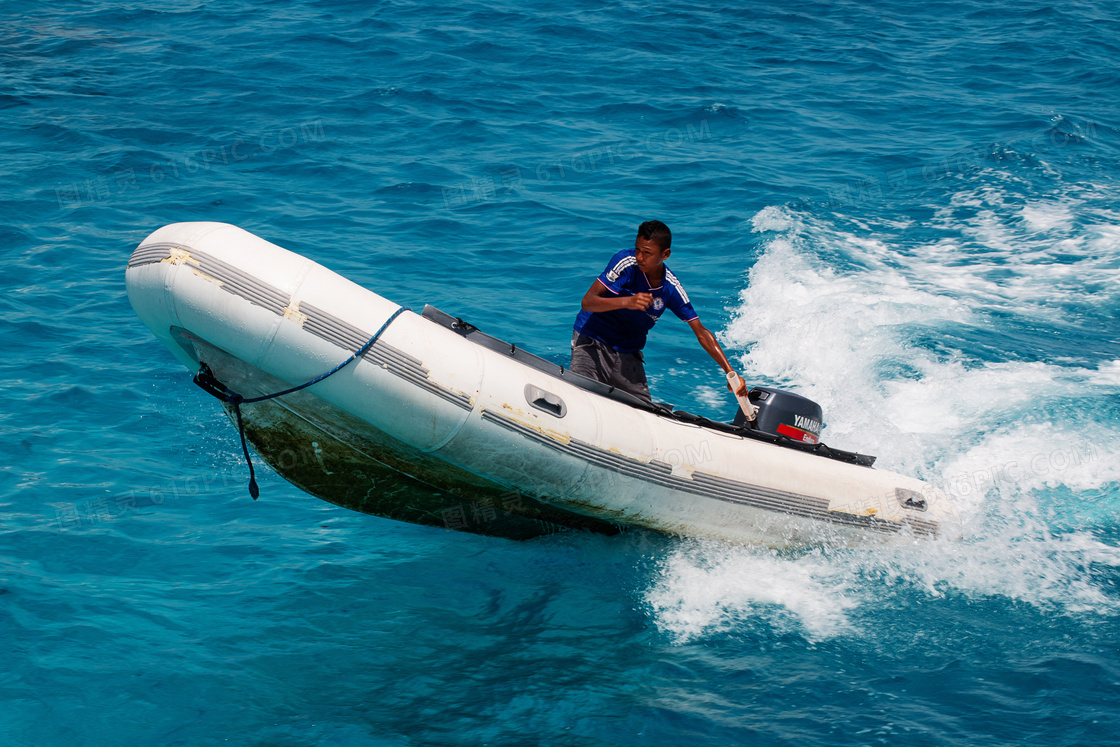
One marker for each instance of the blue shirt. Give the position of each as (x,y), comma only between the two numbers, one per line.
(625,329)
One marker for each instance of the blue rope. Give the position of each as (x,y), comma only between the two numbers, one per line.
(206,380)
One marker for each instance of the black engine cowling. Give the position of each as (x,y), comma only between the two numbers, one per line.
(784,414)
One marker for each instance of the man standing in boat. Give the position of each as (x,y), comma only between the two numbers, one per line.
(621,307)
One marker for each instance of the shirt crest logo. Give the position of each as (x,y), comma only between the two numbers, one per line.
(658,304)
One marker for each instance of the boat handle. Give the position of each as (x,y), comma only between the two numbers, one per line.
(910,499)
(547,401)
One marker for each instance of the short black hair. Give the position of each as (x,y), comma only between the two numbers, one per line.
(657,232)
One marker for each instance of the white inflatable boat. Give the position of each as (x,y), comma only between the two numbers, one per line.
(437,423)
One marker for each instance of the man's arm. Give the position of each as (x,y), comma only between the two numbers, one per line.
(709,343)
(596,300)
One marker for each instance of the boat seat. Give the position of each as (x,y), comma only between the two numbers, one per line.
(472,333)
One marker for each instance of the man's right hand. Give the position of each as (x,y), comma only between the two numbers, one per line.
(638,301)
(736,384)
(595,300)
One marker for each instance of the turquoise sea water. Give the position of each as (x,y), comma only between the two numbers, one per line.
(909,214)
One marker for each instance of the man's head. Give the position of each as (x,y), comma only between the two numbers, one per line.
(657,232)
(651,247)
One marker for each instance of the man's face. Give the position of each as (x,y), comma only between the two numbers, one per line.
(649,255)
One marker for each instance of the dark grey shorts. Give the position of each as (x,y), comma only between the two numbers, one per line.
(595,360)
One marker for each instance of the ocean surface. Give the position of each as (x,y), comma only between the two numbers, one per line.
(909,213)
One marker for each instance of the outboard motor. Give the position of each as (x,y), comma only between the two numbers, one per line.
(784,414)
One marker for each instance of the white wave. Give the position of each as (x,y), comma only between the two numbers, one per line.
(1107,374)
(1013,559)
(707,587)
(1033,258)
(773,218)
(1046,216)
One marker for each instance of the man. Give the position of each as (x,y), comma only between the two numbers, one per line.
(622,306)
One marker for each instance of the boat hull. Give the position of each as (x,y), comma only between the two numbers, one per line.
(432,428)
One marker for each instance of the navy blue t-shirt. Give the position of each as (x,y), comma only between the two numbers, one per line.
(625,329)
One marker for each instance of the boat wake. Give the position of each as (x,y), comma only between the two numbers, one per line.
(900,355)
